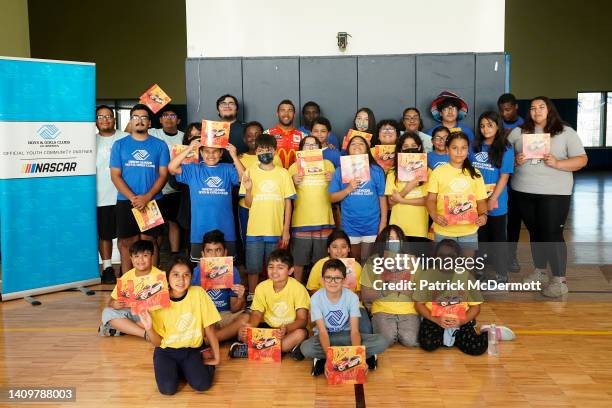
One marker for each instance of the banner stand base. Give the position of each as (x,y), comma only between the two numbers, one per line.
(86,291)
(32,301)
(49,289)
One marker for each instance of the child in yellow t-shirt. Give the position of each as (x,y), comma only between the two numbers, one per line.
(117,318)
(267,191)
(393,313)
(457,200)
(178,333)
(313,219)
(407,198)
(280,302)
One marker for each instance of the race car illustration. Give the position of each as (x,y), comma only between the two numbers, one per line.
(156,98)
(149,291)
(315,170)
(264,343)
(347,362)
(460,208)
(217,271)
(414,165)
(219,132)
(536,145)
(451,300)
(387,156)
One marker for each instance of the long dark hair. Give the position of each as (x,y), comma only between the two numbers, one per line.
(467,165)
(411,108)
(398,149)
(371,120)
(554,123)
(187,134)
(379,125)
(368,151)
(500,143)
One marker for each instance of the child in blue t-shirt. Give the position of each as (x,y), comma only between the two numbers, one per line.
(494,157)
(439,154)
(229,302)
(363,204)
(334,310)
(210,189)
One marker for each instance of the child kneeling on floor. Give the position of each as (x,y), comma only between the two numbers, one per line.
(282,303)
(335,312)
(178,333)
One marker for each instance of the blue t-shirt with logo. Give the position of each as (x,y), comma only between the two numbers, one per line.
(361,208)
(436,159)
(333,155)
(210,190)
(468,131)
(220,297)
(139,162)
(337,316)
(491,174)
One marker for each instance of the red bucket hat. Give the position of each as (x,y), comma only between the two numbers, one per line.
(448,95)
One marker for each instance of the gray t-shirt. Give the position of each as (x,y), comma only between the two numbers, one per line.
(540,178)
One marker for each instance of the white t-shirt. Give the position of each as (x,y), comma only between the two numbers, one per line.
(170,141)
(106,190)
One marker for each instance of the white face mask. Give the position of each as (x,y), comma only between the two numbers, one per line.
(394,245)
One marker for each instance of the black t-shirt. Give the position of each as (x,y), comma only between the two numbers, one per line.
(237,139)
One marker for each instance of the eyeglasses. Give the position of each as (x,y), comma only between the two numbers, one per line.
(169,116)
(311,145)
(387,130)
(335,279)
(439,138)
(450,109)
(105,117)
(411,118)
(137,118)
(227,104)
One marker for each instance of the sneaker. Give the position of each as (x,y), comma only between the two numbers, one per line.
(555,289)
(318,366)
(249,300)
(513,265)
(105,330)
(238,350)
(372,362)
(296,353)
(108,276)
(538,275)
(503,333)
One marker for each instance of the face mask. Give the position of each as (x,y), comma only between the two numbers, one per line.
(361,123)
(411,150)
(394,245)
(265,158)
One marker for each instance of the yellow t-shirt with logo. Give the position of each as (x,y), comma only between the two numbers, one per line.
(312,207)
(182,324)
(314,280)
(267,212)
(138,280)
(412,219)
(249,160)
(280,308)
(448,179)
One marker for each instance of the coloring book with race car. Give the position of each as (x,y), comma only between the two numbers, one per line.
(448,307)
(385,156)
(536,146)
(309,162)
(490,189)
(355,166)
(264,345)
(346,365)
(412,166)
(351,134)
(150,217)
(350,282)
(215,134)
(460,208)
(217,272)
(146,293)
(155,98)
(192,157)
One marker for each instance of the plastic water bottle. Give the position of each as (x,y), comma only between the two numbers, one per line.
(493,349)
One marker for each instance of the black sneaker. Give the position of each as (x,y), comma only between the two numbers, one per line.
(238,350)
(108,276)
(513,265)
(372,362)
(296,353)
(318,366)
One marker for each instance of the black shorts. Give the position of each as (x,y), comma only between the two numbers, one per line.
(169,205)
(126,223)
(107,223)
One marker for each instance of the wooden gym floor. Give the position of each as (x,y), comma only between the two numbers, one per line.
(562,355)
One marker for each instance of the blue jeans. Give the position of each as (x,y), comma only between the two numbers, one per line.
(257,253)
(374,344)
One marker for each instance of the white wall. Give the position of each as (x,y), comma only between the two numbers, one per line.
(232,28)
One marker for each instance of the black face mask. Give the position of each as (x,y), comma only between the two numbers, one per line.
(411,150)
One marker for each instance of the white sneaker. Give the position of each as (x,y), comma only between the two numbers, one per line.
(538,275)
(503,333)
(555,289)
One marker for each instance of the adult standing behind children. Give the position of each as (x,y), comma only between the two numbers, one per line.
(228,107)
(450,109)
(310,112)
(508,109)
(139,171)
(106,191)
(287,137)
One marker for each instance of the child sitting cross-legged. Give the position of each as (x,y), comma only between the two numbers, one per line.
(335,312)
(280,302)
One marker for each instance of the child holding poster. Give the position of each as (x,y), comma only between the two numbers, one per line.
(229,301)
(407,198)
(335,313)
(384,143)
(312,220)
(178,333)
(363,204)
(457,199)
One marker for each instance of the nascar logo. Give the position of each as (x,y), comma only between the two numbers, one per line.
(140,154)
(48,132)
(213,181)
(32,168)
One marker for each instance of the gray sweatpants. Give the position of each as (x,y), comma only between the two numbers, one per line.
(402,328)
(374,344)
